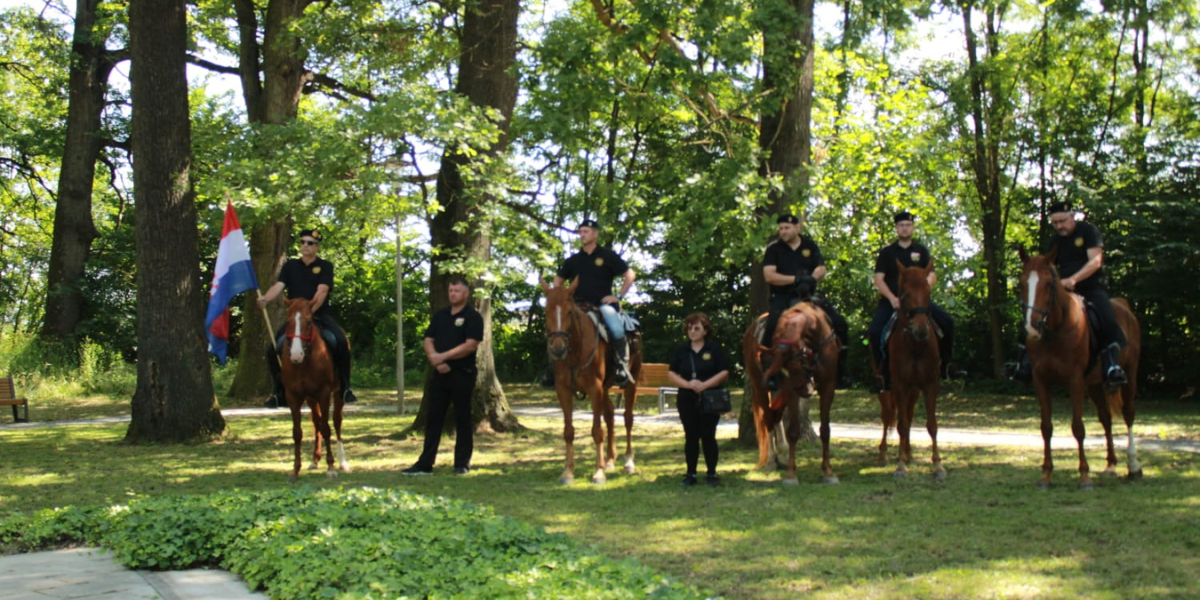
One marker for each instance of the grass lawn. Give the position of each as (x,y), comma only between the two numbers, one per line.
(984,533)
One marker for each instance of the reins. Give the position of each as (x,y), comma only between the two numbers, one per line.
(576,315)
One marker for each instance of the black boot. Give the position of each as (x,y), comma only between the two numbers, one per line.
(276,400)
(844,379)
(547,378)
(621,368)
(348,397)
(1113,373)
(1022,371)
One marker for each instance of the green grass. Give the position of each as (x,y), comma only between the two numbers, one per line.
(984,533)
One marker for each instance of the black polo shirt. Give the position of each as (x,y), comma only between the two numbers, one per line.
(710,360)
(450,331)
(596,272)
(1073,253)
(804,259)
(915,255)
(302,280)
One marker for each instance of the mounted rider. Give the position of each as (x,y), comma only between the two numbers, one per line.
(596,267)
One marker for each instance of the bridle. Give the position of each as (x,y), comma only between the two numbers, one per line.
(306,339)
(575,316)
(1050,306)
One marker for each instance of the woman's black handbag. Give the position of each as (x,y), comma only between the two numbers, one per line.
(713,401)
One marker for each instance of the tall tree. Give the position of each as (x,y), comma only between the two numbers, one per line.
(174,397)
(461,232)
(74,229)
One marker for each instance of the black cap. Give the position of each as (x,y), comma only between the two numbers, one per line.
(1058,207)
(589,223)
(312,233)
(788,218)
(903,215)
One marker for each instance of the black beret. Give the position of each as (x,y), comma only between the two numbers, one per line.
(312,233)
(786,218)
(1058,207)
(903,215)
(589,223)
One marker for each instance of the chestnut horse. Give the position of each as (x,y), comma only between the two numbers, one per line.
(804,353)
(914,366)
(309,377)
(580,357)
(1058,343)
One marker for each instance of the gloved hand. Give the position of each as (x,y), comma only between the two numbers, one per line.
(804,286)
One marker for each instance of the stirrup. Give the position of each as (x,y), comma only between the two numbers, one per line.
(274,401)
(348,397)
(1115,376)
(621,376)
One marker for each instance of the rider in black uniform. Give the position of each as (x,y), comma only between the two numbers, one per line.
(310,277)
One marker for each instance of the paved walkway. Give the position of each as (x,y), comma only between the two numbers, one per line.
(89,574)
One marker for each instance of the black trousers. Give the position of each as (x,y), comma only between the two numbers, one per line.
(782,302)
(450,389)
(340,352)
(883,312)
(698,430)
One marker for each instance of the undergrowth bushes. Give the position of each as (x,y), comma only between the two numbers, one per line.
(348,544)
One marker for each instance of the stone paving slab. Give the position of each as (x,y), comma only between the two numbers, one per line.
(89,574)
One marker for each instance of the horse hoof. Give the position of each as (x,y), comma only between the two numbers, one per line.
(332,474)
(1043,485)
(345,467)
(293,477)
(599,478)
(564,480)
(1110,472)
(1086,485)
(790,481)
(831,480)
(1134,475)
(900,474)
(314,466)
(630,469)
(939,475)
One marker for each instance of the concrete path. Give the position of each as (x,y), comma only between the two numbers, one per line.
(89,574)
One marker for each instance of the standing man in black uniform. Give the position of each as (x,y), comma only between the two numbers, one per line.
(1079,256)
(793,266)
(309,277)
(596,267)
(887,280)
(451,339)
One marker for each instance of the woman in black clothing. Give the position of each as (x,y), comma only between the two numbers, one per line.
(698,365)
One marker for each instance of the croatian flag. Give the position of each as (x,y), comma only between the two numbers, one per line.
(233,275)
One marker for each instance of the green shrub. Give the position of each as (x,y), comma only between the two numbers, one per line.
(360,543)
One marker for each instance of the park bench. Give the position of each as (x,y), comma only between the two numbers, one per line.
(8,397)
(652,380)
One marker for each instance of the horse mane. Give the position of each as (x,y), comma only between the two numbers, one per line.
(803,323)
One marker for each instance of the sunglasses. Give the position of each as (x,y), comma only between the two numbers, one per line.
(309,243)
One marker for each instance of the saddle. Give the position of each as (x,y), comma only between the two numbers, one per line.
(1095,331)
(891,324)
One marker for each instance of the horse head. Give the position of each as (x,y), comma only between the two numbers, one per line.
(915,302)
(790,353)
(300,330)
(560,315)
(1038,289)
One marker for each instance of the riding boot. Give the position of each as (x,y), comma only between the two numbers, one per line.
(342,358)
(844,380)
(1111,359)
(1022,371)
(547,378)
(621,368)
(277,399)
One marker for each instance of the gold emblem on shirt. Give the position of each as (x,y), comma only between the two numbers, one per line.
(316,270)
(706,356)
(459,321)
(916,257)
(599,262)
(806,253)
(1078,242)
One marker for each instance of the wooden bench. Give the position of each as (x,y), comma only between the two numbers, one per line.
(8,397)
(651,380)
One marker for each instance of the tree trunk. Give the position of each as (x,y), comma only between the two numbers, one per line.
(174,400)
(487,77)
(74,229)
(785,138)
(276,100)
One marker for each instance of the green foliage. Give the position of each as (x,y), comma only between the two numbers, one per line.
(346,543)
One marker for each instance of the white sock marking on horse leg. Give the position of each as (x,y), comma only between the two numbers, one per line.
(341,455)
(297,349)
(1031,295)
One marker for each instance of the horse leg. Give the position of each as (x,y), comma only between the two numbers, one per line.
(826,405)
(297,437)
(610,456)
(779,445)
(931,394)
(338,405)
(315,416)
(598,440)
(792,435)
(326,434)
(1043,394)
(1128,391)
(905,398)
(630,399)
(887,414)
(1105,401)
(1077,391)
(566,401)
